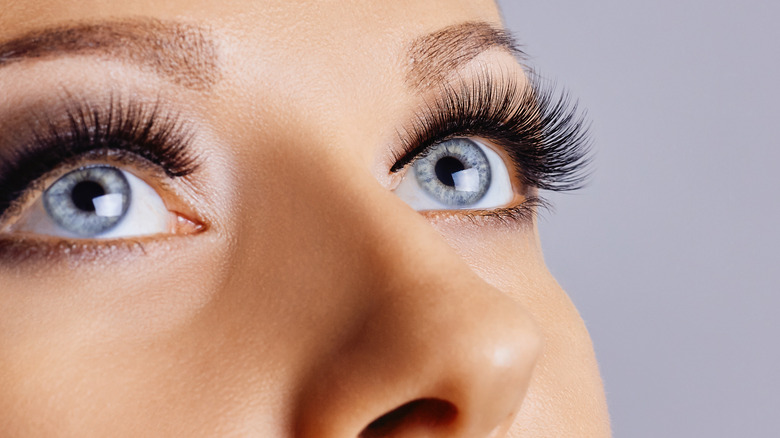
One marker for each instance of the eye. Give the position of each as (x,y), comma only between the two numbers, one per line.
(460,173)
(96,202)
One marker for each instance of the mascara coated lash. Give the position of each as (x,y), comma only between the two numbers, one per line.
(540,129)
(133,133)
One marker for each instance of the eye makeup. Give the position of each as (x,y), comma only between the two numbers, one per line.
(128,133)
(540,130)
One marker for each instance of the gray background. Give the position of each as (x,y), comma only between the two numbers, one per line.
(671,253)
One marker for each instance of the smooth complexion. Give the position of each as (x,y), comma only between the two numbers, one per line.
(295,294)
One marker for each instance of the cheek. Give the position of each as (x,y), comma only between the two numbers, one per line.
(508,256)
(84,351)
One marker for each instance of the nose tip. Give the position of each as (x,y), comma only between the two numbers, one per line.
(487,363)
(425,365)
(476,388)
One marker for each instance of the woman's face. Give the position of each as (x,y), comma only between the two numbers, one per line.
(271,259)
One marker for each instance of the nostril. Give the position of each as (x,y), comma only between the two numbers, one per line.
(425,414)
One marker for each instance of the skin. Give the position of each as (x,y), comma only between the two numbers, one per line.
(313,301)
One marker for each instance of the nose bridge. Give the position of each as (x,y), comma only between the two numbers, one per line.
(433,335)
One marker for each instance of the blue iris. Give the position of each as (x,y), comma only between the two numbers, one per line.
(88,201)
(455,172)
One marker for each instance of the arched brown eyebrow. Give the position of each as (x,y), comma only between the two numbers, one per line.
(434,56)
(184,53)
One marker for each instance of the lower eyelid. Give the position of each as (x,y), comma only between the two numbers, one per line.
(522,214)
(21,250)
(24,252)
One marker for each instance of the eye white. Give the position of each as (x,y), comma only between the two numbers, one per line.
(421,197)
(145,215)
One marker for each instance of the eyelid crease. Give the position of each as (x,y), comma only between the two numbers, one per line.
(125,132)
(540,129)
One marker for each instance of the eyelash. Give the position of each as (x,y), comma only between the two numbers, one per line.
(540,129)
(133,134)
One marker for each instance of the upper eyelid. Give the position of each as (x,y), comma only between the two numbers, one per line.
(541,129)
(125,130)
(436,119)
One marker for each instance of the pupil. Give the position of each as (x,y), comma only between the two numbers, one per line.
(84,193)
(446,167)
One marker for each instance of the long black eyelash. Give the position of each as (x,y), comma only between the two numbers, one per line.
(126,131)
(540,129)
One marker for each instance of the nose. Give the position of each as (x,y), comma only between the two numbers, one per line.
(436,352)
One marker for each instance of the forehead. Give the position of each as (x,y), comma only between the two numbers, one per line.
(344,37)
(277,20)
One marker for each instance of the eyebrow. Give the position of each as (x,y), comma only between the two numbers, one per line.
(181,52)
(434,56)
